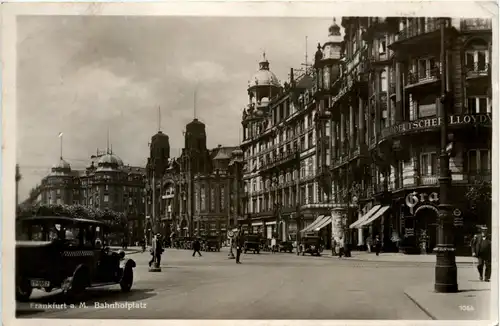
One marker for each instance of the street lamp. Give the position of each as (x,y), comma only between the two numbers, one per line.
(446,267)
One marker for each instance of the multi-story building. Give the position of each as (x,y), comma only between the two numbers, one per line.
(283,193)
(201,190)
(105,184)
(386,125)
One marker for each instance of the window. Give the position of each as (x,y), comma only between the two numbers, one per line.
(222,198)
(106,187)
(202,195)
(212,198)
(130,201)
(302,195)
(310,139)
(479,161)
(106,198)
(428,164)
(254,205)
(476,60)
(427,68)
(302,143)
(479,104)
(58,201)
(383,81)
(197,198)
(310,194)
(58,191)
(426,107)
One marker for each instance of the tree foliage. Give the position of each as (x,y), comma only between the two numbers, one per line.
(479,195)
(116,220)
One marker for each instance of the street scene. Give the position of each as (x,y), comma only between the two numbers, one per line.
(267,286)
(165,173)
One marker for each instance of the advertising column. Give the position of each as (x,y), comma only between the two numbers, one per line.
(337,225)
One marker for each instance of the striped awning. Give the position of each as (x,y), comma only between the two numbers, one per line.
(327,220)
(364,217)
(313,224)
(379,213)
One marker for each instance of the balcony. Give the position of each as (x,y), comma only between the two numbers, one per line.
(477,70)
(417,34)
(478,24)
(279,160)
(423,77)
(428,180)
(476,177)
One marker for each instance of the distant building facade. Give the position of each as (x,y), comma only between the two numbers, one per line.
(105,184)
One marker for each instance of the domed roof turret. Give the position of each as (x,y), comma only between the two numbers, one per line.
(109,162)
(334,33)
(60,168)
(264,76)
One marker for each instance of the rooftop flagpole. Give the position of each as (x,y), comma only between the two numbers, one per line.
(61,144)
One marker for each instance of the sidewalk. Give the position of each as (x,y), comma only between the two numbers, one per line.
(398,257)
(472,302)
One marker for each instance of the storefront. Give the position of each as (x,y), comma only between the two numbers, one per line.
(419,221)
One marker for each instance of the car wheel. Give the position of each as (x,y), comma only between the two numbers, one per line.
(127,280)
(258,251)
(23,291)
(303,253)
(78,285)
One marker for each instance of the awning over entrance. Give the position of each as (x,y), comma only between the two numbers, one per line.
(327,220)
(379,213)
(364,217)
(313,224)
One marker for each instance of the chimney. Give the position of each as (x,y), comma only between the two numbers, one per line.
(291,75)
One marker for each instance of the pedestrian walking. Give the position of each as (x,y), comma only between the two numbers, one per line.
(481,248)
(196,247)
(273,245)
(240,242)
(334,247)
(369,243)
(340,247)
(156,250)
(377,244)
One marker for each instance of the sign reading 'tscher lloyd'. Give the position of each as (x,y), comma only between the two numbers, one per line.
(476,119)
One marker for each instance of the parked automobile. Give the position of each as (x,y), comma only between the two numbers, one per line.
(311,245)
(211,243)
(67,253)
(285,246)
(252,243)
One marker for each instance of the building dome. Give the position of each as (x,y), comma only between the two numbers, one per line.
(62,164)
(110,159)
(334,33)
(264,76)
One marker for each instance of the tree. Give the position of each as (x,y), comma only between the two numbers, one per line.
(478,196)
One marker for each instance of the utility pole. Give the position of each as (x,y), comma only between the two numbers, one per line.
(446,267)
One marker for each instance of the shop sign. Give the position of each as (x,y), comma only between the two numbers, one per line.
(421,124)
(409,232)
(415,198)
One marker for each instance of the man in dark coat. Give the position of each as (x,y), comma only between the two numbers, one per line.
(481,248)
(240,243)
(156,250)
(196,247)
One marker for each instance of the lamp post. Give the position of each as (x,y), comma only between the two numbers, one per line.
(446,267)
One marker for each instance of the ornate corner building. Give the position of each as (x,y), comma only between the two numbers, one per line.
(387,126)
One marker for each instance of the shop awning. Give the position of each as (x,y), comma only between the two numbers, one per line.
(271,223)
(365,217)
(327,220)
(379,213)
(313,224)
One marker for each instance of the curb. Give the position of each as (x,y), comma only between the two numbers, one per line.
(431,316)
(405,261)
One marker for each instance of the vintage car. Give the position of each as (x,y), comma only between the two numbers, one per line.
(311,245)
(285,246)
(72,254)
(211,243)
(252,243)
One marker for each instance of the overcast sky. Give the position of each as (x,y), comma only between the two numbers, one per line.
(81,75)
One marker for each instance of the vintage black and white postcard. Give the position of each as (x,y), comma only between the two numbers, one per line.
(270,163)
